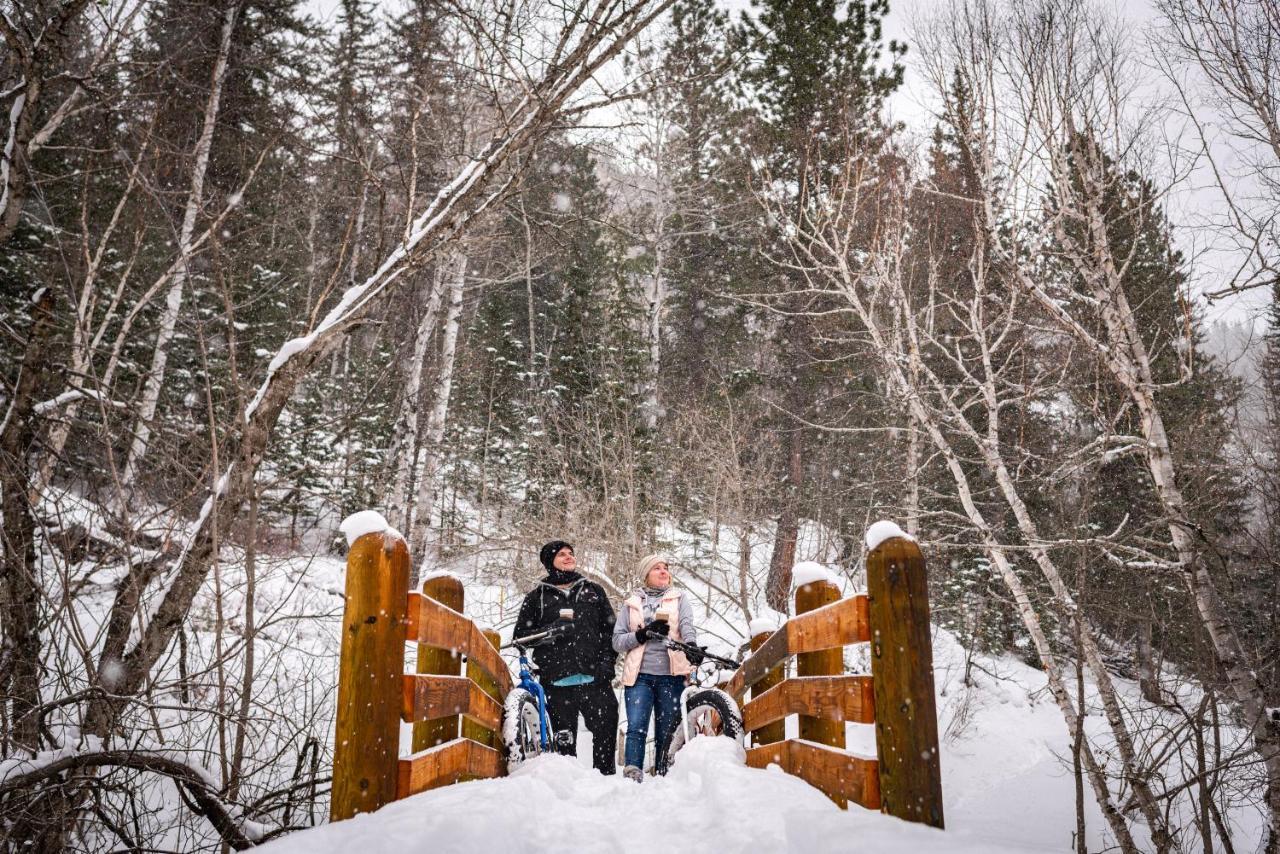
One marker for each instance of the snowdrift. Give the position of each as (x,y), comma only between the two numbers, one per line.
(710,802)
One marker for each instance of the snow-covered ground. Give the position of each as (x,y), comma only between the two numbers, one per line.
(1007,787)
(709,802)
(1005,748)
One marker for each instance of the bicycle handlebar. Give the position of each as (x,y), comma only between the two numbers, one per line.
(539,637)
(724,663)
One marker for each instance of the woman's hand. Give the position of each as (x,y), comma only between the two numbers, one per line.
(656,628)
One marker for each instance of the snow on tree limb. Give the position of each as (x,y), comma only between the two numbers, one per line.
(199,782)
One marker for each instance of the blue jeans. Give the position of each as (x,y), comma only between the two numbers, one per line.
(658,696)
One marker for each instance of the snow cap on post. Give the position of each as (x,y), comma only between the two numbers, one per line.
(885,530)
(364,522)
(808,572)
(761,626)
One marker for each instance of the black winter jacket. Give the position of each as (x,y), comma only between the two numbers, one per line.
(589,648)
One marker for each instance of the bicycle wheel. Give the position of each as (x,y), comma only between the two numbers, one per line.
(520,727)
(712,712)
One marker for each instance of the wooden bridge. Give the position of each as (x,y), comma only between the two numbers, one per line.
(454,700)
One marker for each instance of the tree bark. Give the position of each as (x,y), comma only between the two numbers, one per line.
(173,303)
(35,59)
(433,442)
(783,558)
(20,647)
(405,434)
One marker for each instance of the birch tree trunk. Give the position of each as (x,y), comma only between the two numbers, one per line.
(1125,356)
(404,449)
(433,441)
(173,303)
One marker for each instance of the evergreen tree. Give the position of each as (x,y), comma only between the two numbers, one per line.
(814,75)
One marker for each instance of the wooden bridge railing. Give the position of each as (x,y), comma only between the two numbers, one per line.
(457,713)
(904,779)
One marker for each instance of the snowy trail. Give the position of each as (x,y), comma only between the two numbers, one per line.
(710,802)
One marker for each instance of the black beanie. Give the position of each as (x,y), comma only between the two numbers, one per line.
(548,553)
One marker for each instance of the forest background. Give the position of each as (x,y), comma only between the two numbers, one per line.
(610,271)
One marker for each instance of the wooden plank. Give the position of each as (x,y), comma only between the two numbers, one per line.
(770,732)
(902,667)
(427,698)
(770,754)
(472,727)
(828,660)
(447,592)
(770,654)
(835,625)
(367,732)
(837,698)
(838,774)
(438,626)
(461,759)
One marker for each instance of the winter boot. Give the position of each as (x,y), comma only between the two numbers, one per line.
(631,772)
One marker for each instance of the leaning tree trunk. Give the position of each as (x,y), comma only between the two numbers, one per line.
(1127,359)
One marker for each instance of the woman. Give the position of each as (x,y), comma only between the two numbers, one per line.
(654,676)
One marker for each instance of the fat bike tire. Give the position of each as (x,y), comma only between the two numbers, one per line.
(520,728)
(712,712)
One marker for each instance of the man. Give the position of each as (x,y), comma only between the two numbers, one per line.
(577,669)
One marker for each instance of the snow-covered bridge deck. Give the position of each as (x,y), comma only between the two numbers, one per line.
(709,802)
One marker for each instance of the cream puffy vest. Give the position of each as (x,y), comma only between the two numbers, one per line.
(635,614)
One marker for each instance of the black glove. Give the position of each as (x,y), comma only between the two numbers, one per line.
(697,655)
(657,628)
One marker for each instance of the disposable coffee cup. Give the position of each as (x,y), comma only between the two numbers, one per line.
(566,613)
(662,615)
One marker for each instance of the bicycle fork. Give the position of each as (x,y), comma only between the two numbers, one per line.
(684,711)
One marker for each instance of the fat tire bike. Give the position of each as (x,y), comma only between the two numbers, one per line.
(526,726)
(705,710)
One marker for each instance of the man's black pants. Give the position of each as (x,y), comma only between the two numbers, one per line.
(598,706)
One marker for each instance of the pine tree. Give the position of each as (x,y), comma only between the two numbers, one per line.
(815,76)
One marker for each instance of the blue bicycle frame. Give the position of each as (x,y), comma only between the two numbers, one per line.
(531,685)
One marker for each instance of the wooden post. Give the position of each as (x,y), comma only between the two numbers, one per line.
(447,590)
(826,662)
(366,742)
(773,732)
(476,674)
(902,675)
